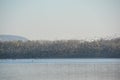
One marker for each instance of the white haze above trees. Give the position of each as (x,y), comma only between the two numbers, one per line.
(60,19)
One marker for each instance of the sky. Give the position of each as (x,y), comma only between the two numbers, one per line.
(60,19)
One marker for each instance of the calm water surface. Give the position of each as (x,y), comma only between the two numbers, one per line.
(60,69)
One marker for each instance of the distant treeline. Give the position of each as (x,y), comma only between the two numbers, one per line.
(61,49)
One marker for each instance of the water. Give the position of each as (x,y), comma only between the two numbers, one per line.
(58,61)
(60,69)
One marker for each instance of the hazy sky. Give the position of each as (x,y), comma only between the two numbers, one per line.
(60,19)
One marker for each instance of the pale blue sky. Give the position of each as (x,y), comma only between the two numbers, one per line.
(60,19)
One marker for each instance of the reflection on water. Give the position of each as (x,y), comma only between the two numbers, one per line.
(60,69)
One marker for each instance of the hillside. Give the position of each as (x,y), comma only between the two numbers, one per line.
(12,38)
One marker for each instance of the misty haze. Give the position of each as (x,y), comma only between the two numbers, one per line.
(59,39)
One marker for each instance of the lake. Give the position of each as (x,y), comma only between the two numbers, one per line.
(59,69)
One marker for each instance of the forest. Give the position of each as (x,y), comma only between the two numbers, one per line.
(60,49)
